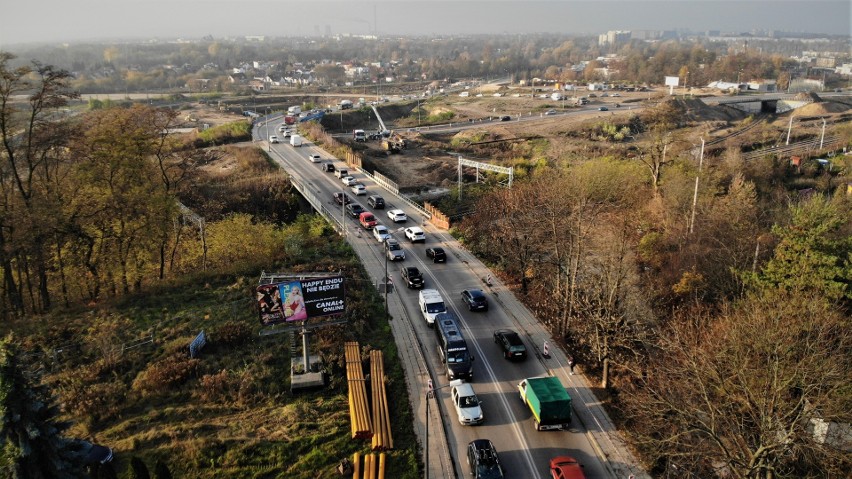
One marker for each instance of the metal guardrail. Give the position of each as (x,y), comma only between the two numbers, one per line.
(394,188)
(801,146)
(315,201)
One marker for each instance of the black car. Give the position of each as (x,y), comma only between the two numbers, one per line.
(95,453)
(437,255)
(341,198)
(483,460)
(412,276)
(354,209)
(376,201)
(510,342)
(328,167)
(475,300)
(505,118)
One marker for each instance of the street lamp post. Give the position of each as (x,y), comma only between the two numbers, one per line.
(268,143)
(387,282)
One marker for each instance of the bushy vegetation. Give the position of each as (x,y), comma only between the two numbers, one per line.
(223,134)
(137,281)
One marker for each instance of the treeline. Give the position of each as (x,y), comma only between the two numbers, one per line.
(90,204)
(720,328)
(121,68)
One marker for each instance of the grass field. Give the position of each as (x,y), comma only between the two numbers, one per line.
(121,371)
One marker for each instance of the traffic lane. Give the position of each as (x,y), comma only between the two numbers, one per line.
(572,442)
(502,408)
(502,383)
(459,436)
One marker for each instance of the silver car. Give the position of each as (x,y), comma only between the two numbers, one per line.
(394,250)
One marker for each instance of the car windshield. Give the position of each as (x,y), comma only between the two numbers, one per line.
(488,471)
(468,401)
(457,357)
(435,307)
(393,247)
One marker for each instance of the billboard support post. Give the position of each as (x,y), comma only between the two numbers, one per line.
(305,356)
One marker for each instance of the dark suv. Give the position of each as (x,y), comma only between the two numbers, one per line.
(412,276)
(483,460)
(376,202)
(436,254)
(354,209)
(511,344)
(475,300)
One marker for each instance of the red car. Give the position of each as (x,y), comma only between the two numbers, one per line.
(566,467)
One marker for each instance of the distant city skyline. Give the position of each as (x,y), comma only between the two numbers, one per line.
(73,21)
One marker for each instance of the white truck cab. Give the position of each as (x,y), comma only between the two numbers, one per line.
(431,305)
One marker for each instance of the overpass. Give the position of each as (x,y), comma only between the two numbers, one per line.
(767,103)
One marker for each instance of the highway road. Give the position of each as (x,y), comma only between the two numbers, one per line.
(508,423)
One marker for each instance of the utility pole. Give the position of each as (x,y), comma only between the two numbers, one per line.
(789,128)
(822,137)
(695,194)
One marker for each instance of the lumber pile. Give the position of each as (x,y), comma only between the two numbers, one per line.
(382,439)
(359,410)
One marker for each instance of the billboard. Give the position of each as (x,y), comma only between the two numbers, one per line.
(672,81)
(300,300)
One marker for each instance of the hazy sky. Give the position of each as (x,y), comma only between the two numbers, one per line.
(23,21)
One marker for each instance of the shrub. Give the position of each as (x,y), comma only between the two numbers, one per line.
(94,401)
(171,371)
(228,133)
(231,333)
(215,386)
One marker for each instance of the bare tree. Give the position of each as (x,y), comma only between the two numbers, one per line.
(739,395)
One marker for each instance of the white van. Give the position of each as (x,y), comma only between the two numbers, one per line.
(295,140)
(431,305)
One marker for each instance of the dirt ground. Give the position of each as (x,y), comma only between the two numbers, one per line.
(430,163)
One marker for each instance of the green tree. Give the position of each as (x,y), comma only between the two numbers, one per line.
(137,469)
(30,433)
(33,140)
(161,471)
(813,253)
(106,471)
(123,203)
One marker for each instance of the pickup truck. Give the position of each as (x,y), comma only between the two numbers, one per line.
(549,402)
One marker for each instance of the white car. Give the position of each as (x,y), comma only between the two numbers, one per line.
(314,158)
(381,233)
(358,189)
(349,180)
(273,139)
(466,403)
(282,129)
(415,234)
(397,216)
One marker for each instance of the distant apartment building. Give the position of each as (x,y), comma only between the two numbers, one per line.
(614,37)
(646,35)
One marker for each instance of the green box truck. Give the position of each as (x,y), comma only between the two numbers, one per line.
(548,401)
